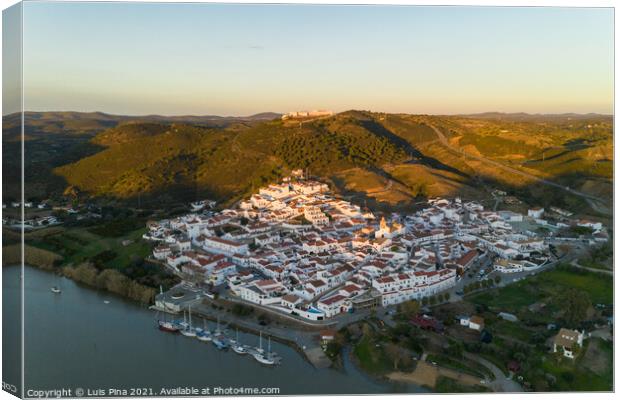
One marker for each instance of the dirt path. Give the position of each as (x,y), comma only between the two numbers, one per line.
(576,264)
(427,374)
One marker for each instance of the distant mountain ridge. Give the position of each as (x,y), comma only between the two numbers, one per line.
(64,116)
(521,116)
(91,123)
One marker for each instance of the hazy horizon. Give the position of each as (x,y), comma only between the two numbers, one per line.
(239,59)
(284,112)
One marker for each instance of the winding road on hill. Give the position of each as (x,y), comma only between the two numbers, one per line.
(592,200)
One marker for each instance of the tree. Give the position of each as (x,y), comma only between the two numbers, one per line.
(497,279)
(395,353)
(410,308)
(455,349)
(575,304)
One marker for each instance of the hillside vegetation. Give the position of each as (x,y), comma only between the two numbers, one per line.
(389,159)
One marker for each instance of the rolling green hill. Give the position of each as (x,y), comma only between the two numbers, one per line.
(386,159)
(225,163)
(53,139)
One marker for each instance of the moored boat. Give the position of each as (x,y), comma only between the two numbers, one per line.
(240,349)
(187,329)
(189,332)
(236,346)
(220,343)
(56,289)
(266,358)
(204,334)
(168,326)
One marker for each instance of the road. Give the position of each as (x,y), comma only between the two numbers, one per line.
(576,264)
(444,141)
(501,383)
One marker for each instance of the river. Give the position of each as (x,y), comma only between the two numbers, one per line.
(74,340)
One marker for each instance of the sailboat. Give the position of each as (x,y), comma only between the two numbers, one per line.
(236,339)
(238,347)
(204,334)
(218,338)
(187,329)
(217,332)
(261,356)
(167,326)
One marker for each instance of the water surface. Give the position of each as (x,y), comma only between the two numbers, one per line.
(76,340)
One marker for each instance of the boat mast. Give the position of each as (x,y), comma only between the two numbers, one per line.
(163,300)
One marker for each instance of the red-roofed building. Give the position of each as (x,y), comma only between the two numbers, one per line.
(333,305)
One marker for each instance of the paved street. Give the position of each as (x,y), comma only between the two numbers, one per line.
(501,383)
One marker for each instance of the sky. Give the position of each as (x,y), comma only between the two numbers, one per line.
(180,59)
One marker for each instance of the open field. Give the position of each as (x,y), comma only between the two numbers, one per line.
(429,375)
(78,245)
(547,285)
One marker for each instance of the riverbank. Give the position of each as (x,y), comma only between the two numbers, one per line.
(44,259)
(110,280)
(113,281)
(91,339)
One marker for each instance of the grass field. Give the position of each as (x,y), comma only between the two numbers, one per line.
(512,329)
(371,358)
(459,365)
(598,286)
(77,245)
(512,297)
(546,285)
